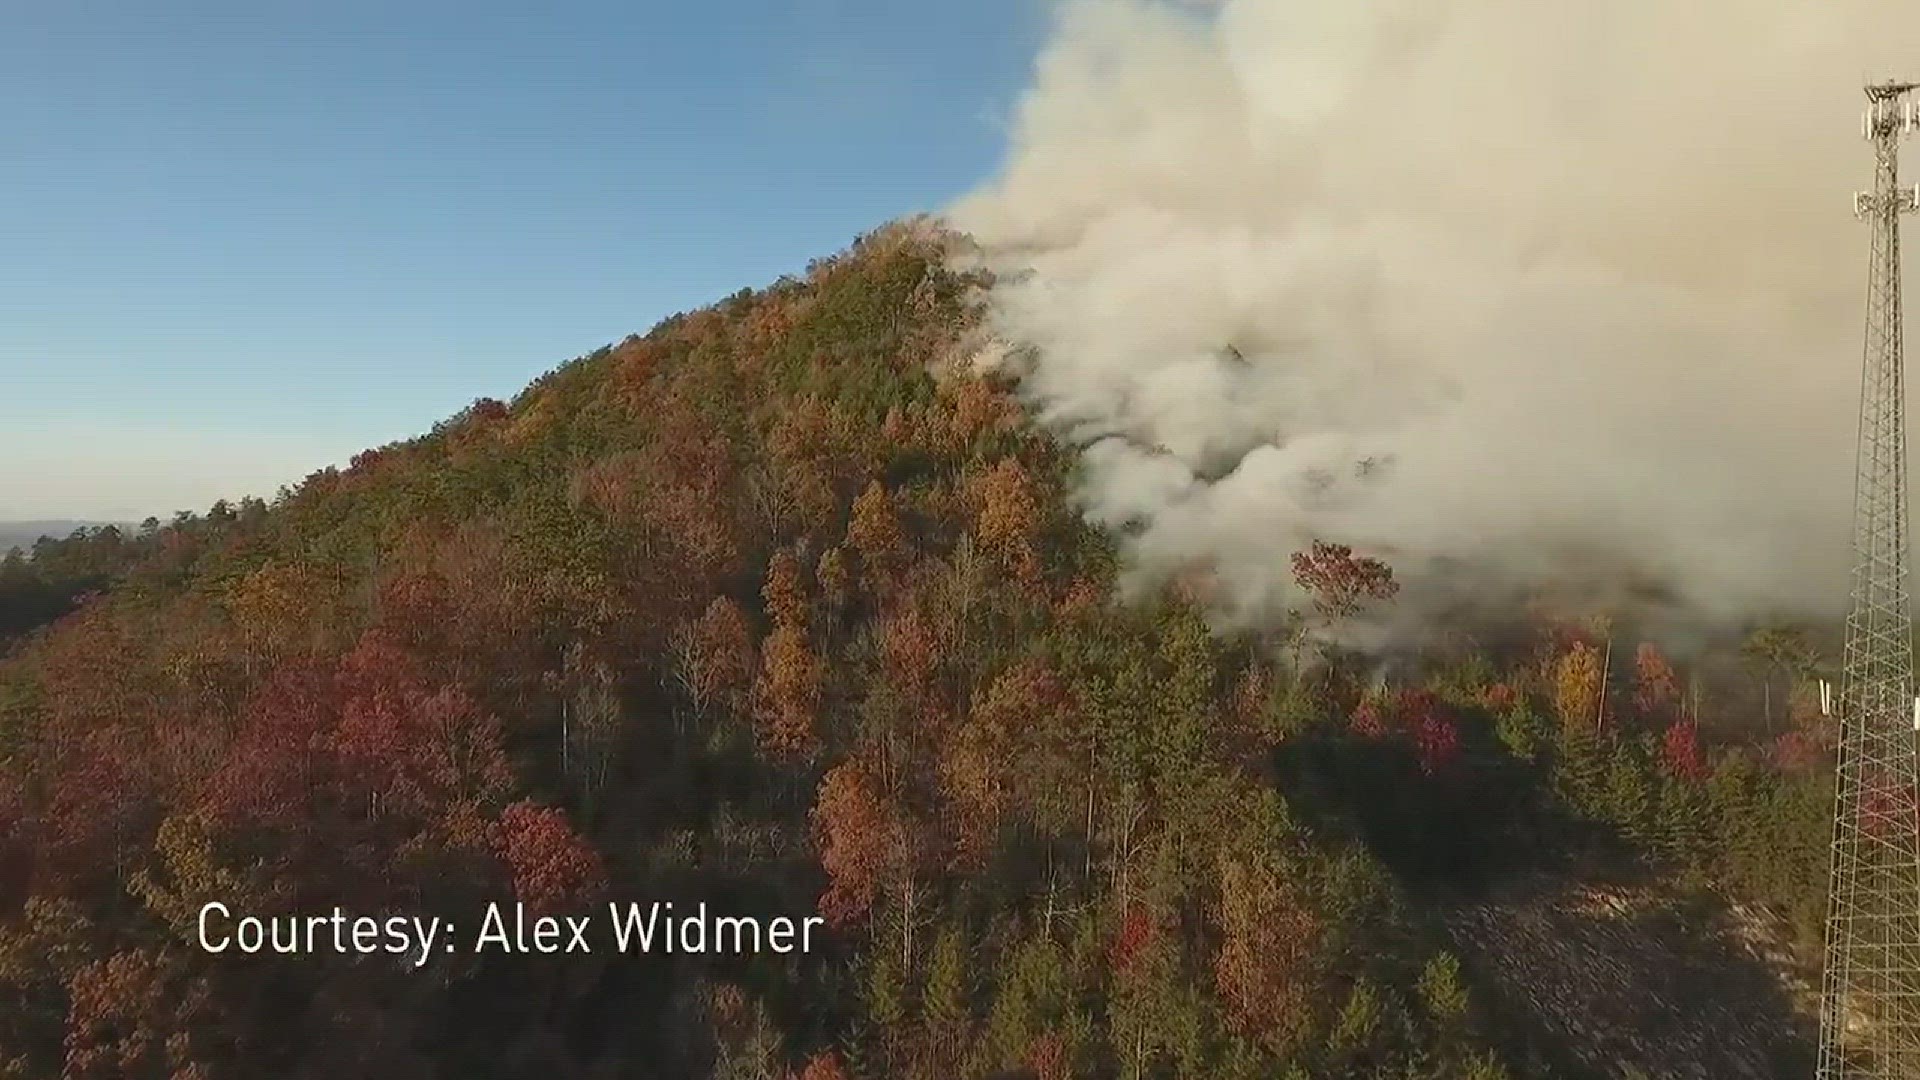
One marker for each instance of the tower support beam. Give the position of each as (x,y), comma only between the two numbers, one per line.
(1870,989)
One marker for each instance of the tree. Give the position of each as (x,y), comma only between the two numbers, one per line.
(786,699)
(1772,650)
(1680,751)
(859,840)
(713,656)
(824,1066)
(1521,731)
(279,605)
(552,868)
(1007,518)
(1139,931)
(945,1016)
(1577,686)
(873,529)
(1359,1018)
(591,727)
(785,592)
(1656,688)
(1340,582)
(836,583)
(1264,968)
(1442,991)
(1629,802)
(1437,739)
(132,1014)
(1369,720)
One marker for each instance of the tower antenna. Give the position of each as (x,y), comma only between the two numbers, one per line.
(1870,989)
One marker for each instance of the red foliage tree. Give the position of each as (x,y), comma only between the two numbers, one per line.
(1680,751)
(102,804)
(858,838)
(416,607)
(824,1066)
(1797,751)
(1138,931)
(16,849)
(1499,697)
(552,868)
(130,1015)
(343,773)
(1369,719)
(419,749)
(1048,1057)
(275,764)
(688,474)
(1021,701)
(806,465)
(1437,738)
(1339,581)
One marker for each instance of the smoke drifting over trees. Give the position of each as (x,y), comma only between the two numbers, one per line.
(1508,293)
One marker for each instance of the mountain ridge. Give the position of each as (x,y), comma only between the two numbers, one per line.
(781,608)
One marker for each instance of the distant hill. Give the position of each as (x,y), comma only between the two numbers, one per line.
(22,534)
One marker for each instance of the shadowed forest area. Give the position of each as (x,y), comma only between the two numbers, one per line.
(778,608)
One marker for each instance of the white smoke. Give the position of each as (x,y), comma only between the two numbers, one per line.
(1578,279)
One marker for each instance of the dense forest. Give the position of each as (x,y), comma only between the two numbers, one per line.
(778,608)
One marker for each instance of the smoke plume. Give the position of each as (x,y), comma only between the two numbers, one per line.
(1511,293)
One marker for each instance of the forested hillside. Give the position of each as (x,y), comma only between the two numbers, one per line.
(779,609)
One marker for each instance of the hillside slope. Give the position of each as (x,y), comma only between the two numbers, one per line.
(770,608)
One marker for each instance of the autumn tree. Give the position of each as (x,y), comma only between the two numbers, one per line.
(1577,686)
(551,867)
(713,656)
(805,467)
(859,840)
(132,1014)
(1264,968)
(873,529)
(1338,582)
(785,592)
(787,696)
(1656,688)
(280,606)
(824,1066)
(1007,518)
(1680,751)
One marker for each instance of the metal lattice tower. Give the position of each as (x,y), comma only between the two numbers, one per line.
(1870,991)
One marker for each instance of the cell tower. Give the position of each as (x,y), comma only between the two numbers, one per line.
(1870,991)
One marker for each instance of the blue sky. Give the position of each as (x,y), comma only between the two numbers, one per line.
(240,241)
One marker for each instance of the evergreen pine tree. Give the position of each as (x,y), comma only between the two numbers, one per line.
(1442,991)
(943,1004)
(1520,731)
(1579,769)
(1627,799)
